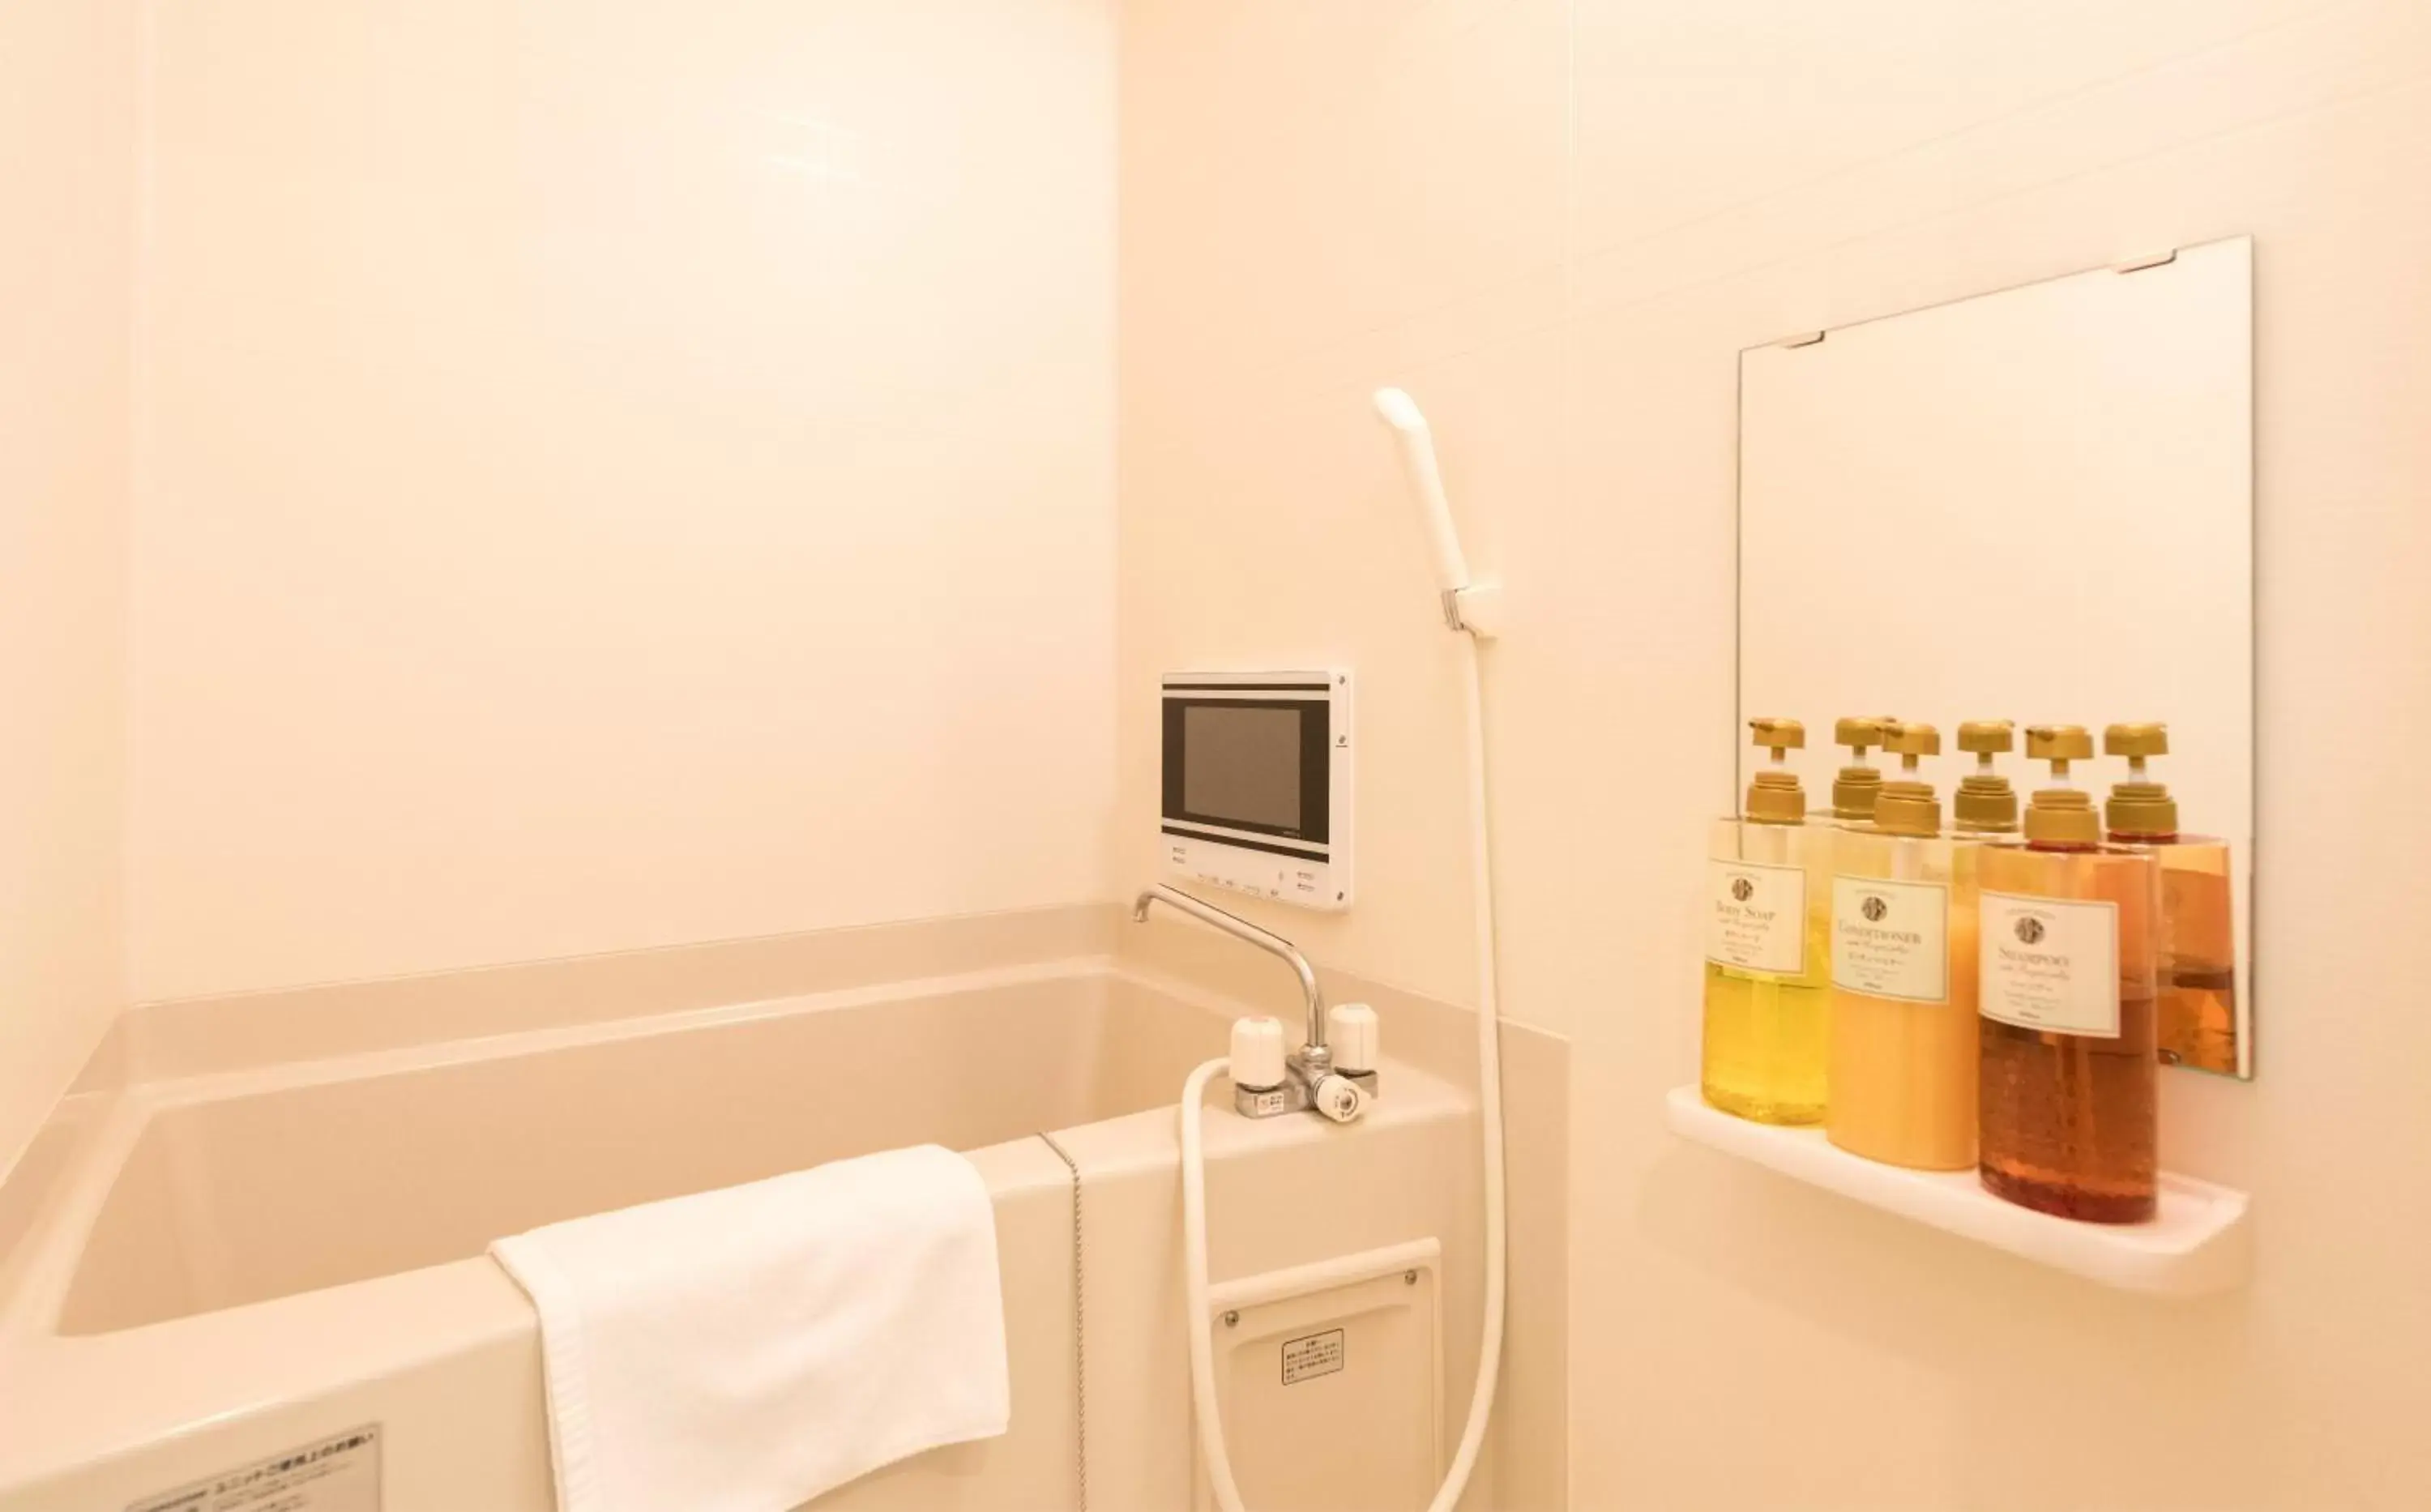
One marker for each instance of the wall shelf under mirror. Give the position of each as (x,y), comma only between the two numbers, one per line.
(2199,1245)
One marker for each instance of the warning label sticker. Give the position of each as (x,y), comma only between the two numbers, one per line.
(1314,1355)
(340,1473)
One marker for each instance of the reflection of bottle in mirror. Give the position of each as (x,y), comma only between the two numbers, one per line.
(1768,971)
(1854,789)
(2198,967)
(1904,1042)
(1986,805)
(2068,932)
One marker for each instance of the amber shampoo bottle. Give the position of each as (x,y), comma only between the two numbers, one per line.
(2067,932)
(2197,974)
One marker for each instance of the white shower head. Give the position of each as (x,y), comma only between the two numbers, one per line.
(1417,444)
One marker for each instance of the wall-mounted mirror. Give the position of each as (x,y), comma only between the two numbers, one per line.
(2035,505)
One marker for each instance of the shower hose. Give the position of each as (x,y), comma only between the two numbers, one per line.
(1489,1078)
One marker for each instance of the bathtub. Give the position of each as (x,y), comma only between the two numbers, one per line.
(219,1270)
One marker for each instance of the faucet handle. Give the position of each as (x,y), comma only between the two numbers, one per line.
(1257,1053)
(1351,1029)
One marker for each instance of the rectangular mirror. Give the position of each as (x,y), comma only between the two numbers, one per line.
(2035,505)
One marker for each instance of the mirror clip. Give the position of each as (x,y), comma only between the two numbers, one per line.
(2156,259)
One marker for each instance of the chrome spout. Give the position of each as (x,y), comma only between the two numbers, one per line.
(1315,1055)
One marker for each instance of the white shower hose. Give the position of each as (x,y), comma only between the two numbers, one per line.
(1489,1080)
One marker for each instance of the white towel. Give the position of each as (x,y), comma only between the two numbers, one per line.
(745,1350)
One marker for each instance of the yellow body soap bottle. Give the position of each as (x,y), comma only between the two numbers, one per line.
(1768,957)
(1903,1035)
(2197,1007)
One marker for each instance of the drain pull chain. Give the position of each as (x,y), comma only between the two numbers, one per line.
(1079,1330)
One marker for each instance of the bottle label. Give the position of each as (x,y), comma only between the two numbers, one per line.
(1758,917)
(2051,962)
(1891,939)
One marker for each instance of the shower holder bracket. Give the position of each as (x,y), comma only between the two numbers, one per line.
(1476,609)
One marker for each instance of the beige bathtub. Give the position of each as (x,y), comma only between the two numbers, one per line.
(218,1267)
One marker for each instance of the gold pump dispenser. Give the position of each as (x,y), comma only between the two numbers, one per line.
(1908,805)
(1775,797)
(2061,814)
(1985,803)
(2198,969)
(2069,933)
(1903,1035)
(1767,950)
(2140,806)
(1854,789)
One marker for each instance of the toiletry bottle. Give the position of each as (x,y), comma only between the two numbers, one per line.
(1767,970)
(2068,929)
(1986,806)
(2198,964)
(1904,1042)
(1854,789)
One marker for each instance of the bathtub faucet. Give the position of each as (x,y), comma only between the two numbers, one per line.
(1309,1080)
(1320,1059)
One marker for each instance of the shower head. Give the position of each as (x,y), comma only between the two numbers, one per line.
(1418,446)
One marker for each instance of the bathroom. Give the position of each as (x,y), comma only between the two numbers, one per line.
(530,533)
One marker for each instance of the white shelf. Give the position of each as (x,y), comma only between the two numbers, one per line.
(2197,1246)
